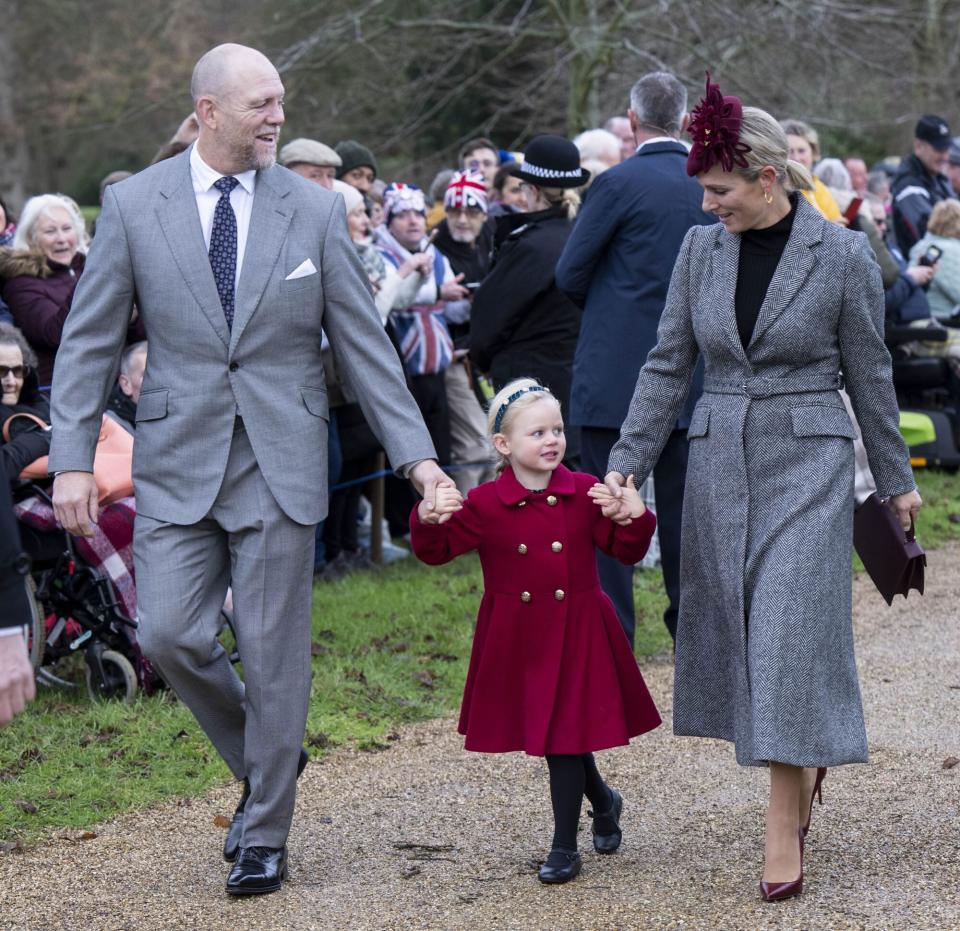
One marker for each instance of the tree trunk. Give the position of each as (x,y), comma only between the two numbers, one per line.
(14,158)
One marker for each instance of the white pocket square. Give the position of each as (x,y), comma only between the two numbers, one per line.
(306,267)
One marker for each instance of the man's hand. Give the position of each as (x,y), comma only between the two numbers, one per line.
(426,476)
(16,677)
(906,507)
(453,290)
(76,502)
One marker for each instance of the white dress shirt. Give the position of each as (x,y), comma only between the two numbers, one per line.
(241,199)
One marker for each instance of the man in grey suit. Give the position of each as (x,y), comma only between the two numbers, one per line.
(234,265)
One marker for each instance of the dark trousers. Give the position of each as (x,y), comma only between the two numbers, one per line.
(669,476)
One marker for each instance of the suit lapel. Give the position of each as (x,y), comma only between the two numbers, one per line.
(269,220)
(180,222)
(795,264)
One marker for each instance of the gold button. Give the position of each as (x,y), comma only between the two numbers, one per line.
(522,549)
(559,594)
(525,597)
(551,500)
(522,504)
(557,546)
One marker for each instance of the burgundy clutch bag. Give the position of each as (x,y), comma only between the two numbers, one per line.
(892,557)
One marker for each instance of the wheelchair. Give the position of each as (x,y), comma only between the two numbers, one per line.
(927,386)
(75,610)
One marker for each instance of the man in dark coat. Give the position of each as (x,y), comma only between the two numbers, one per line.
(920,183)
(616,266)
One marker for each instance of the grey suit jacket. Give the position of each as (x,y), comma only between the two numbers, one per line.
(149,251)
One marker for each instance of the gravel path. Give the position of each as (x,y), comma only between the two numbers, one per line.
(426,836)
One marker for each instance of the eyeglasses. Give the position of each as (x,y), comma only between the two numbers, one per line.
(17,371)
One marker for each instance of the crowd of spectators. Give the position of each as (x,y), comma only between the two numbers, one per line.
(463,275)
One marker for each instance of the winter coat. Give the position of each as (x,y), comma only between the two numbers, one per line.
(521,323)
(39,293)
(765,641)
(821,198)
(616,266)
(915,193)
(551,670)
(943,292)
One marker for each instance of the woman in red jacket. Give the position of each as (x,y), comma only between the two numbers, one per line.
(551,671)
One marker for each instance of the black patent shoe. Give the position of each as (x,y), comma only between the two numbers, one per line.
(606,825)
(561,866)
(235,832)
(258,870)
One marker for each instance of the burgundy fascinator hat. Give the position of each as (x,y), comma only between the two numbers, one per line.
(715,128)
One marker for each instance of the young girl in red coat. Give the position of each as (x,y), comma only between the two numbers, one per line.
(551,672)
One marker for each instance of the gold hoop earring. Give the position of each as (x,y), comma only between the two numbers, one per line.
(768,197)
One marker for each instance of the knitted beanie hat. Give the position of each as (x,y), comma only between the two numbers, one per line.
(466,189)
(352,198)
(399,197)
(354,155)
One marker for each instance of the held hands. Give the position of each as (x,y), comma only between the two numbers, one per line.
(428,478)
(447,501)
(618,498)
(905,507)
(76,502)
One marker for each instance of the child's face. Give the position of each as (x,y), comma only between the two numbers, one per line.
(534,440)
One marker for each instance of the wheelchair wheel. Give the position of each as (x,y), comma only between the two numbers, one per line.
(36,629)
(119,680)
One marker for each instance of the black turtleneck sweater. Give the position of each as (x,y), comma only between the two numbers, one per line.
(760,253)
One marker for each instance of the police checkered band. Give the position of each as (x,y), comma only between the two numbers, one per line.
(548,173)
(498,420)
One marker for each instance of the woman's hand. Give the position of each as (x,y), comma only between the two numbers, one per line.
(623,509)
(920,275)
(906,507)
(447,501)
(419,262)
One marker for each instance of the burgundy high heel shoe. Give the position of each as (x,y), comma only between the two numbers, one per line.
(777,892)
(816,794)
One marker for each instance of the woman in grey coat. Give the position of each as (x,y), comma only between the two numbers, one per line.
(779,302)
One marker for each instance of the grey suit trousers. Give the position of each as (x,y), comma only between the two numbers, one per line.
(182,577)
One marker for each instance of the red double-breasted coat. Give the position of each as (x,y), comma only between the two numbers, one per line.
(551,670)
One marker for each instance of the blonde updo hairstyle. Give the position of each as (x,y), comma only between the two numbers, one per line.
(568,198)
(528,399)
(769,146)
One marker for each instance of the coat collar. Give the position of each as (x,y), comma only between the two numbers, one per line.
(511,492)
(795,265)
(665,145)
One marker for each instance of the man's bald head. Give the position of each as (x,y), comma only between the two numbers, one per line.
(219,71)
(238,98)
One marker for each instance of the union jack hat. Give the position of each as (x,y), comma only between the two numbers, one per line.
(398,197)
(466,189)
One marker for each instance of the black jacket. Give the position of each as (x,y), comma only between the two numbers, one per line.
(521,323)
(14,565)
(915,193)
(470,260)
(27,441)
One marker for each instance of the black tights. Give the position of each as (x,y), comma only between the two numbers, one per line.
(572,777)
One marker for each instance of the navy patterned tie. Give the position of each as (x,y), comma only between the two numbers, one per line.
(223,246)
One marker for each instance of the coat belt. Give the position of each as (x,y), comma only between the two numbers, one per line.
(761,387)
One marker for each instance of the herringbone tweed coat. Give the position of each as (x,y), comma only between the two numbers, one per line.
(764,642)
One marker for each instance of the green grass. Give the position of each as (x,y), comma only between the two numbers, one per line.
(390,648)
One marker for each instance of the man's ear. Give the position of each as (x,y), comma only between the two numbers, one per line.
(207,113)
(634,122)
(684,123)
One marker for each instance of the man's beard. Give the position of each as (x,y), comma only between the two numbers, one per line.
(468,237)
(245,153)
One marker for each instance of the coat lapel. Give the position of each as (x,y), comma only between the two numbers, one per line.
(795,264)
(180,222)
(726,258)
(269,219)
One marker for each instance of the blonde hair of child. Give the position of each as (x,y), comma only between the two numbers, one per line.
(522,403)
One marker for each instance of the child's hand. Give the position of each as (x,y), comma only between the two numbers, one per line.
(622,510)
(448,501)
